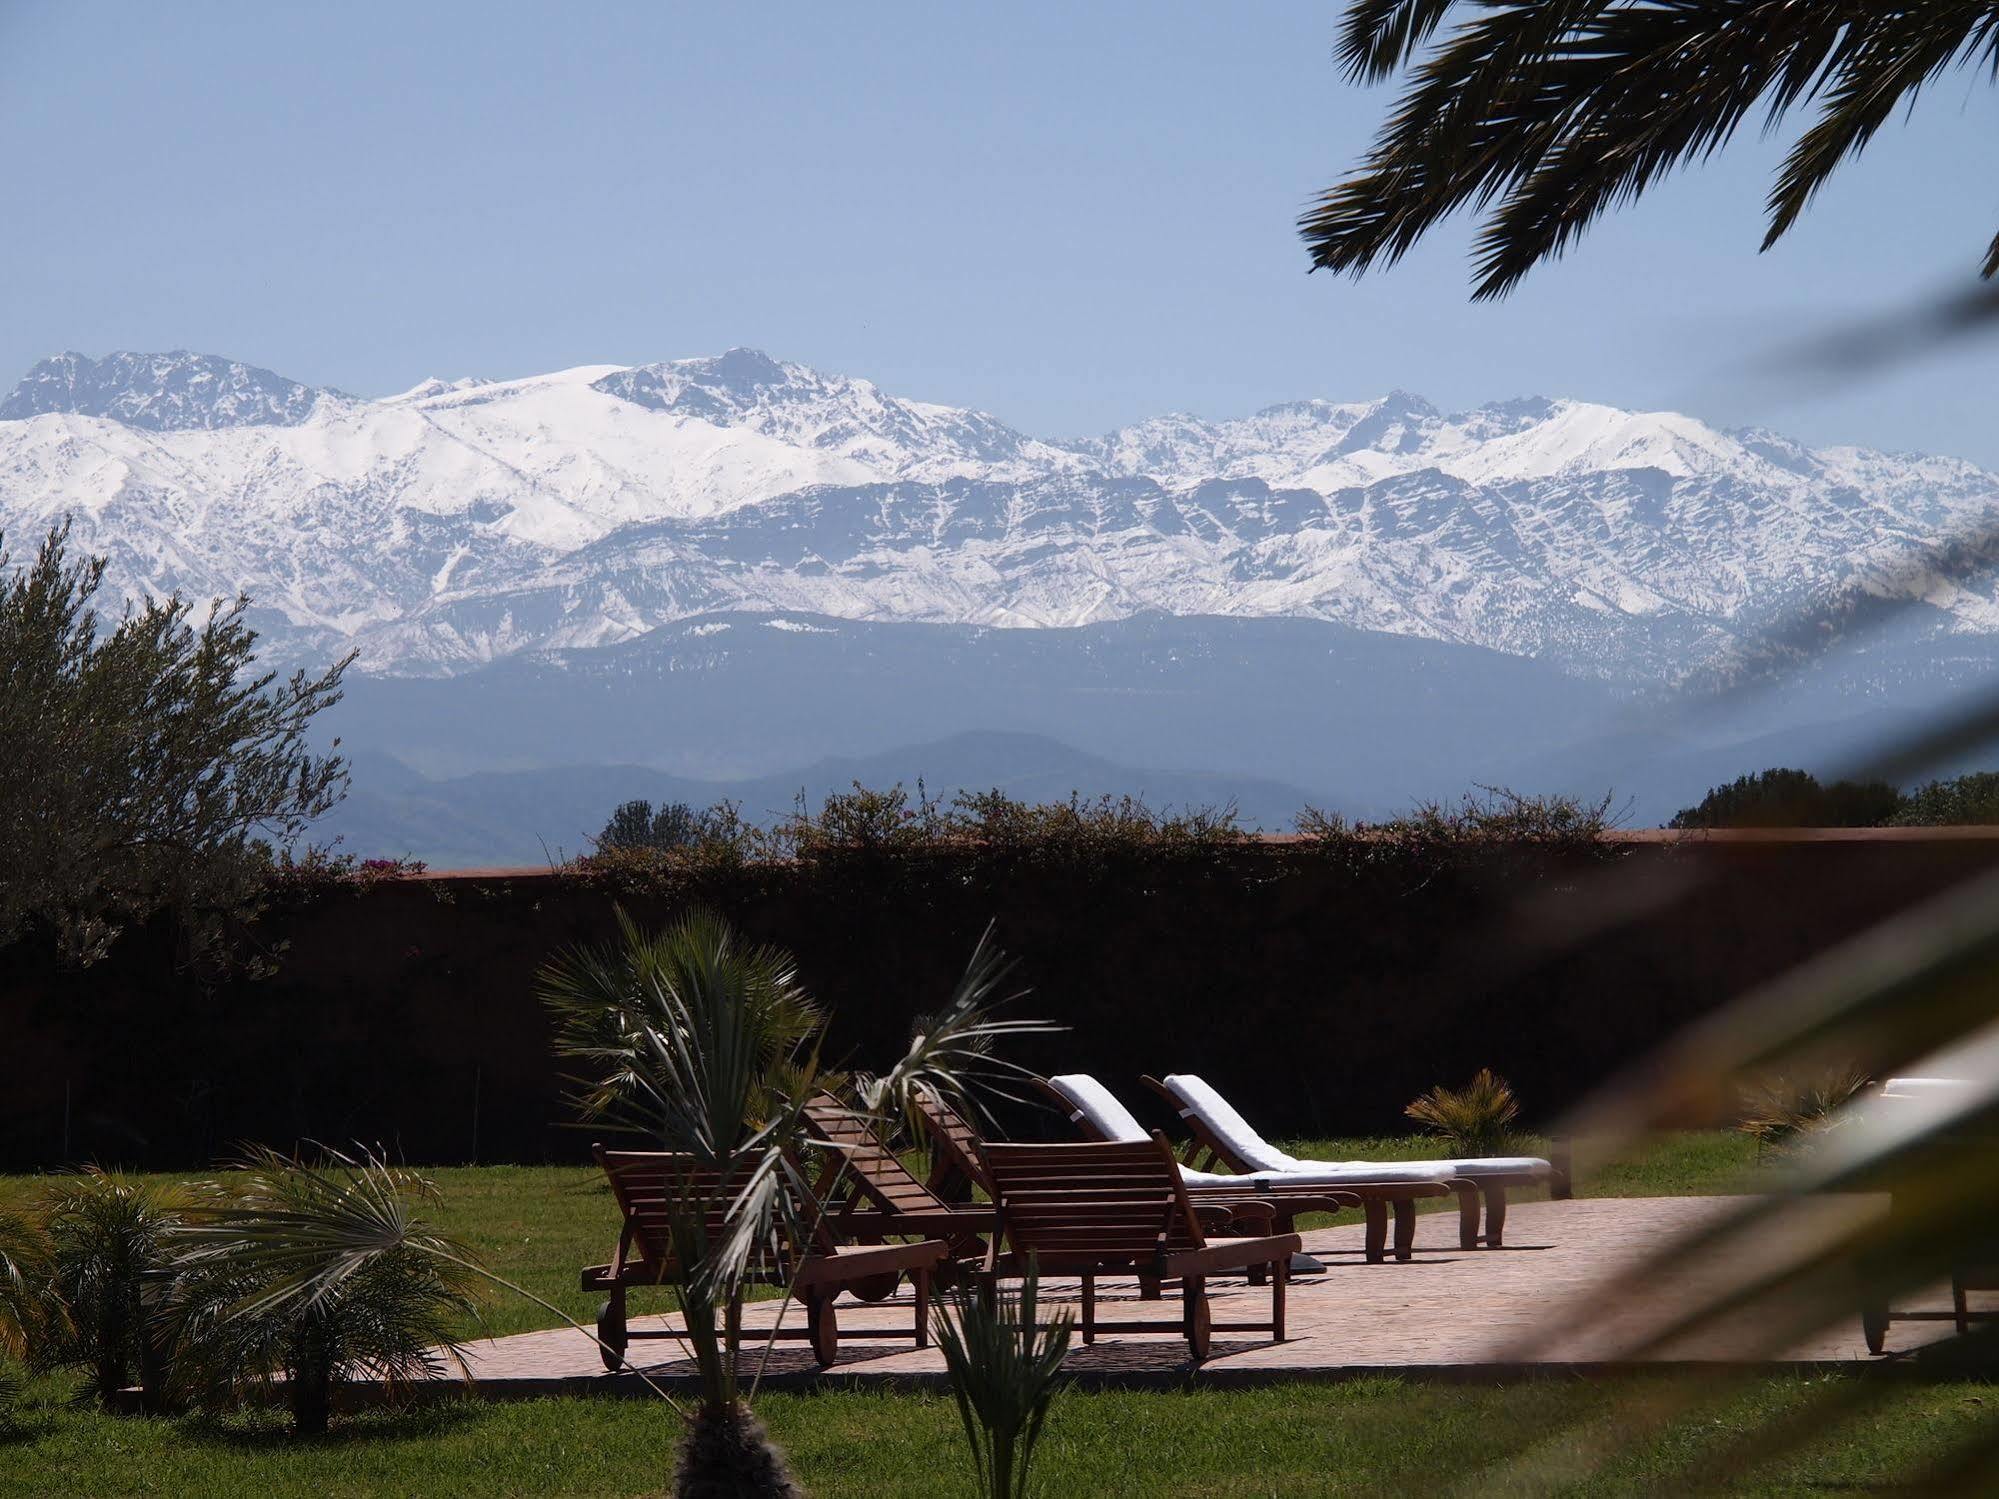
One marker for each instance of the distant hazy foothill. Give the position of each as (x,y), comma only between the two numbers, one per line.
(734,568)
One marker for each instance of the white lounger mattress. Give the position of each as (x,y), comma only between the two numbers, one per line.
(1095,1103)
(1200,1100)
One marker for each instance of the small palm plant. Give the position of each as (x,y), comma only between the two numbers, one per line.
(26,1305)
(109,1247)
(706,1045)
(319,1271)
(1784,1114)
(954,1053)
(709,1046)
(1004,1373)
(1475,1120)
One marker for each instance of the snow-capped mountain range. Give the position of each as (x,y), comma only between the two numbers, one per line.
(464,521)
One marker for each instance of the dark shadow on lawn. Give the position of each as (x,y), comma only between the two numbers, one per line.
(270,1427)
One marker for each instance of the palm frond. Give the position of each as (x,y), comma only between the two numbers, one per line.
(1474,1120)
(1550,112)
(1379,36)
(677,1030)
(297,1232)
(954,1054)
(1004,1372)
(27,1303)
(1884,1207)
(1881,64)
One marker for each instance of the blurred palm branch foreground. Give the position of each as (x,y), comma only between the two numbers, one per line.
(1543,114)
(1871,1071)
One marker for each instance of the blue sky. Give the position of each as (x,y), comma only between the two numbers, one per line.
(1072,216)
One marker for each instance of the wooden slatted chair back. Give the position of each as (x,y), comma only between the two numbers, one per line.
(875,1171)
(654,1188)
(1101,1203)
(953,1138)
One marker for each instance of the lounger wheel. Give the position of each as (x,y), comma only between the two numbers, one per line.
(876,1287)
(1200,1322)
(1874,1326)
(824,1326)
(612,1340)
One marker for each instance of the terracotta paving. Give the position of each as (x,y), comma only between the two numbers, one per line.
(1446,1312)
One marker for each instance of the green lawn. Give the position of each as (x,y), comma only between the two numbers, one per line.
(537,1225)
(1371,1436)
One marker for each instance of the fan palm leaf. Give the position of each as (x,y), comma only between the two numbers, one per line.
(289,1238)
(954,1053)
(318,1270)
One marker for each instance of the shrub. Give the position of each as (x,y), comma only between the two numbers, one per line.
(863,821)
(290,1272)
(1474,1120)
(1963,801)
(27,1305)
(1083,829)
(1784,798)
(110,1247)
(1487,815)
(149,766)
(637,825)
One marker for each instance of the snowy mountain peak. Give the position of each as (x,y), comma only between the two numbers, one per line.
(742,387)
(466,520)
(425,390)
(747,389)
(172,392)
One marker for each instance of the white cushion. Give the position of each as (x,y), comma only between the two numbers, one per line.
(1911,1087)
(1199,1100)
(1095,1103)
(1493,1165)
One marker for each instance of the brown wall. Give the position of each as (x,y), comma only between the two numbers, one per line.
(1323,993)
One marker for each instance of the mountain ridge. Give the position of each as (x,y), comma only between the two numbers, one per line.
(464,521)
(534,816)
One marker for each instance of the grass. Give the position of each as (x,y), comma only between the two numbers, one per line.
(539,1225)
(1364,1437)
(1680,1163)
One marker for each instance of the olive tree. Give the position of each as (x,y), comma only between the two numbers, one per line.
(148,765)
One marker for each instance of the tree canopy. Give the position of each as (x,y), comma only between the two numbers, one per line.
(149,766)
(1543,113)
(1785,798)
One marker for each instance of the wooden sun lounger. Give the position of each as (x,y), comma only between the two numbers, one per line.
(1378,1201)
(1092,1209)
(956,1166)
(879,1197)
(1470,1185)
(649,1183)
(1980,1274)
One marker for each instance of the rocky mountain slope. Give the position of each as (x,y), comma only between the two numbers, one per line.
(464,522)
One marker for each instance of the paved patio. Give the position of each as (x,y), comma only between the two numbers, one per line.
(1446,1313)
